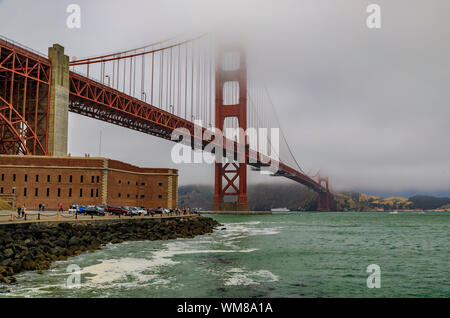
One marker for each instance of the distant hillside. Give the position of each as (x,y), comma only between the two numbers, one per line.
(352,201)
(427,202)
(198,196)
(262,197)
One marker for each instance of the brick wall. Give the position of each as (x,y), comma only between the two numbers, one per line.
(70,180)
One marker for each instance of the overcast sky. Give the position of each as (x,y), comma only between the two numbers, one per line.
(369,107)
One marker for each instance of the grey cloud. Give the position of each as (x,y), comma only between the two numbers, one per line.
(370,107)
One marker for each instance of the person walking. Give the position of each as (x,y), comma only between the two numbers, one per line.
(40,207)
(60,207)
(43,207)
(19,210)
(23,211)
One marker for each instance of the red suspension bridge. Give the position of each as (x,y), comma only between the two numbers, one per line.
(193,83)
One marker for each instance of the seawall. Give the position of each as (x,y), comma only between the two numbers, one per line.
(34,246)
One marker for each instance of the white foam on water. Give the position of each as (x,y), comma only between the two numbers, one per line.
(187,247)
(117,270)
(240,277)
(132,272)
(246,229)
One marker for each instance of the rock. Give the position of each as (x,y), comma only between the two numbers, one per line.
(35,247)
(74,241)
(8,253)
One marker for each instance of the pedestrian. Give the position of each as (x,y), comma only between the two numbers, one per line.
(43,207)
(40,207)
(61,207)
(19,210)
(23,211)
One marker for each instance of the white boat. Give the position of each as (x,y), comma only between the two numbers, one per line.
(394,212)
(280,210)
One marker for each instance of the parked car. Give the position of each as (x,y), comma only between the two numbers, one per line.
(73,209)
(141,210)
(101,209)
(131,211)
(77,208)
(154,211)
(93,210)
(116,210)
(167,210)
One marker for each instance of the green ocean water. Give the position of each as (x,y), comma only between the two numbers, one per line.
(296,254)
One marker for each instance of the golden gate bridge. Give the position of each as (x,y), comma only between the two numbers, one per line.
(180,83)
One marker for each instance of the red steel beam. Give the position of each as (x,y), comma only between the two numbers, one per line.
(24,100)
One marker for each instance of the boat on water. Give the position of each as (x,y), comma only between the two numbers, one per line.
(280,210)
(393,212)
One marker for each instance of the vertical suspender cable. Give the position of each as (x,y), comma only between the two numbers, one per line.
(167,83)
(185,81)
(153,67)
(143,79)
(198,80)
(161,78)
(179,81)
(170,81)
(192,82)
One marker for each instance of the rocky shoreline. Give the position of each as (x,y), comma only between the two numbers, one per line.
(34,246)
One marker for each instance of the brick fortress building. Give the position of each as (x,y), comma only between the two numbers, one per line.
(34,180)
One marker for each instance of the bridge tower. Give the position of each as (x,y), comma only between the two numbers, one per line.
(231,177)
(323,199)
(58,117)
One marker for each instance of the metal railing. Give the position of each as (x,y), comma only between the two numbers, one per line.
(24,47)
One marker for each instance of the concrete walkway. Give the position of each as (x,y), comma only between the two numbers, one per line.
(10,217)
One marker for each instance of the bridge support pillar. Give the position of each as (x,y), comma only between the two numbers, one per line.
(231,176)
(59,102)
(325,200)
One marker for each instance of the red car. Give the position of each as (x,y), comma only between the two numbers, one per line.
(117,210)
(154,211)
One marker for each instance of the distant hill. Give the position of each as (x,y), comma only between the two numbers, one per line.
(353,201)
(262,197)
(428,202)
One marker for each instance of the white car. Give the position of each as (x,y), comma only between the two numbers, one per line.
(73,209)
(140,210)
